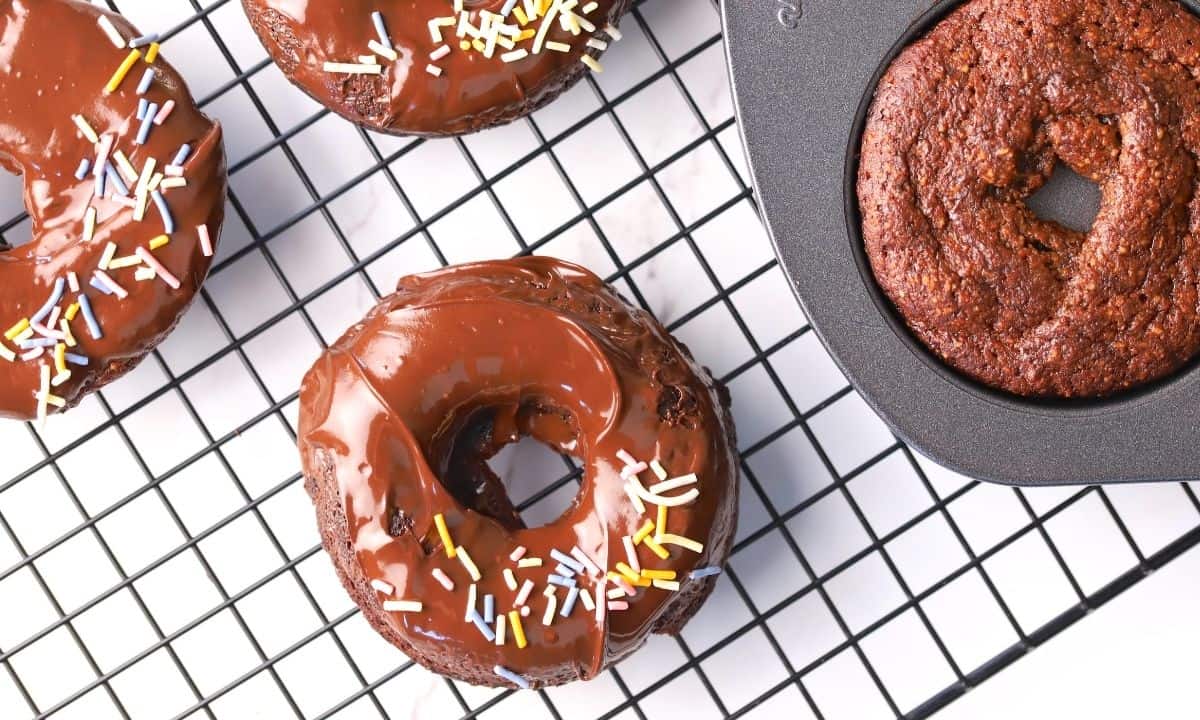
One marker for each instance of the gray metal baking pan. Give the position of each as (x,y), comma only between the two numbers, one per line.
(803,73)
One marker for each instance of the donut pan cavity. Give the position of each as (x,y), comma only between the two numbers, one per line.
(803,72)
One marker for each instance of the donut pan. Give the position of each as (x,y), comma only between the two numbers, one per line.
(803,72)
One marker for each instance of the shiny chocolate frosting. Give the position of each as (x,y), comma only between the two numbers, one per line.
(55,63)
(470,92)
(399,417)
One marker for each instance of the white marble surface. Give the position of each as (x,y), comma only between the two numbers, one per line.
(206,520)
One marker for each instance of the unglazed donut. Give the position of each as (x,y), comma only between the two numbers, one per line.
(124,211)
(398,418)
(423,67)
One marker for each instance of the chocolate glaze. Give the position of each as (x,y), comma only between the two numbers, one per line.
(398,418)
(54,63)
(472,93)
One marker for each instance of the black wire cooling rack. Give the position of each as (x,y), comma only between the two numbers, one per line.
(861,576)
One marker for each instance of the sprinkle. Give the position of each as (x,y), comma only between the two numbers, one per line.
(658,574)
(147,123)
(586,597)
(43,395)
(529,562)
(618,605)
(468,563)
(561,581)
(96,283)
(489,608)
(73,282)
(99,191)
(510,580)
(672,585)
(122,71)
(641,534)
(59,379)
(383,587)
(143,40)
(125,262)
(551,606)
(433,70)
(139,213)
(592,63)
(443,579)
(500,626)
(17,329)
(659,471)
(185,151)
(42,342)
(102,153)
(704,572)
(511,676)
(518,553)
(111,31)
(523,596)
(514,620)
(600,604)
(439,520)
(673,501)
(565,571)
(683,542)
(103,277)
(85,306)
(114,177)
(508,8)
(34,354)
(673,484)
(524,611)
(143,106)
(631,554)
(207,248)
(123,201)
(556,46)
(382,50)
(595,44)
(441,52)
(82,171)
(173,171)
(147,78)
(484,628)
(68,336)
(544,28)
(381,29)
(655,548)
(514,55)
(566,560)
(74,308)
(615,594)
(587,9)
(625,457)
(7,354)
(160,241)
(613,32)
(587,562)
(162,272)
(661,526)
(569,603)
(144,274)
(352,68)
(628,572)
(549,591)
(436,25)
(152,53)
(172,183)
(109,250)
(472,595)
(24,334)
(163,114)
(126,167)
(88,133)
(56,294)
(634,498)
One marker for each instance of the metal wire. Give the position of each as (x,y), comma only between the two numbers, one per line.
(288,565)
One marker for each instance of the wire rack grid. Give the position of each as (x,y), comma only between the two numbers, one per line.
(159,554)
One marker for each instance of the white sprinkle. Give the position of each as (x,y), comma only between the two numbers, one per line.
(441,52)
(556,46)
(591,6)
(205,241)
(353,68)
(597,44)
(586,598)
(443,579)
(368,59)
(631,554)
(472,593)
(114,35)
(106,258)
(666,584)
(386,52)
(659,471)
(626,458)
(529,562)
(592,63)
(523,596)
(515,55)
(73,282)
(433,70)
(402,606)
(633,495)
(672,484)
(613,32)
(551,606)
(383,587)
(501,619)
(518,553)
(582,557)
(468,563)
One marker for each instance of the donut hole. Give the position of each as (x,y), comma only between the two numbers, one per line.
(1067,198)
(540,481)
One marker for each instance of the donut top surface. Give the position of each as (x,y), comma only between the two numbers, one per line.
(445,66)
(970,121)
(399,417)
(78,304)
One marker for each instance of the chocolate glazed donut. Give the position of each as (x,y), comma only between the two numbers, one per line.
(434,85)
(57,62)
(398,419)
(970,121)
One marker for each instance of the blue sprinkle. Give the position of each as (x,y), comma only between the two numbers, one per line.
(147,78)
(55,295)
(85,306)
(561,581)
(115,179)
(144,40)
(704,572)
(567,560)
(511,676)
(381,29)
(143,106)
(100,285)
(147,123)
(483,626)
(76,359)
(564,570)
(100,185)
(84,166)
(37,343)
(181,157)
(489,608)
(161,202)
(569,603)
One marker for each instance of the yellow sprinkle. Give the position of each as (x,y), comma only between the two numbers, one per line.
(661,525)
(592,63)
(122,71)
(444,534)
(468,563)
(658,574)
(479,45)
(17,329)
(71,311)
(514,621)
(162,240)
(529,562)
(60,357)
(641,582)
(641,534)
(655,548)
(666,584)
(123,262)
(464,45)
(525,35)
(683,542)
(66,331)
(152,53)
(88,133)
(520,15)
(556,46)
(628,572)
